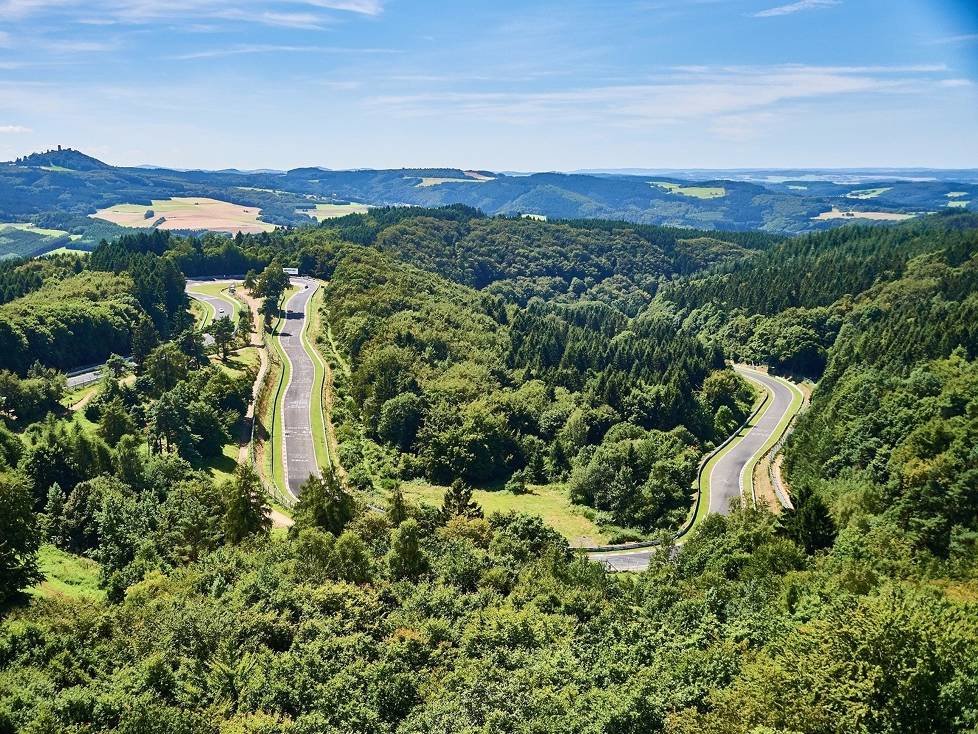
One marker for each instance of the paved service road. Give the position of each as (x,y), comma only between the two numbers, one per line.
(220,303)
(636,560)
(85,376)
(299,451)
(725,477)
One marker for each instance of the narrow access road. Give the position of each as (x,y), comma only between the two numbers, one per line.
(727,480)
(224,306)
(298,448)
(87,375)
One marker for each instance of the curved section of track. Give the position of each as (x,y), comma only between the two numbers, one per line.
(222,306)
(728,481)
(298,447)
(728,485)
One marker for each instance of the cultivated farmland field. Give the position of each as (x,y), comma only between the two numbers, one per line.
(696,192)
(187,213)
(435,181)
(332,211)
(836,213)
(868,193)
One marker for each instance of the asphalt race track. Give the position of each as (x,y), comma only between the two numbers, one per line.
(218,303)
(725,477)
(299,452)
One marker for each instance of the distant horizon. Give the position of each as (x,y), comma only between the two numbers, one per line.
(624,170)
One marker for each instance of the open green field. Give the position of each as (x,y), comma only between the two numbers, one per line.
(868,193)
(549,502)
(696,192)
(67,251)
(955,194)
(66,575)
(21,239)
(958,204)
(332,211)
(187,213)
(27,227)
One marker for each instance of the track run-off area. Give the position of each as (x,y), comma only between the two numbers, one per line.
(727,478)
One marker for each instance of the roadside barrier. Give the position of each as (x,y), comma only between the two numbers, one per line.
(771,455)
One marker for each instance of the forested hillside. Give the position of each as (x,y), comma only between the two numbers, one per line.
(62,187)
(509,354)
(454,384)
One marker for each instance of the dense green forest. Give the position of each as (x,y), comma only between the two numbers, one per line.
(453,383)
(856,612)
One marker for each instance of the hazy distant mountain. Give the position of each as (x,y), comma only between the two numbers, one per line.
(65,186)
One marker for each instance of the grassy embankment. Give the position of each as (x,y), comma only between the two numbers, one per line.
(279,373)
(312,331)
(67,575)
(549,502)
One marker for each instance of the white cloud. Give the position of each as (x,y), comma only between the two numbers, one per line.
(260,48)
(796,7)
(963,38)
(13,129)
(956,83)
(364,7)
(727,99)
(277,12)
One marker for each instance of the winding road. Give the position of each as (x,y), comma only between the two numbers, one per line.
(729,479)
(222,305)
(298,447)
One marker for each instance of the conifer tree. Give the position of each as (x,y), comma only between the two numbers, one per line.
(324,503)
(458,502)
(247,511)
(406,560)
(396,508)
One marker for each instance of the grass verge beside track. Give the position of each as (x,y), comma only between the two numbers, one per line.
(275,468)
(317,406)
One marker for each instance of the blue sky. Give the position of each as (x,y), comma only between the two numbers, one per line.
(495,84)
